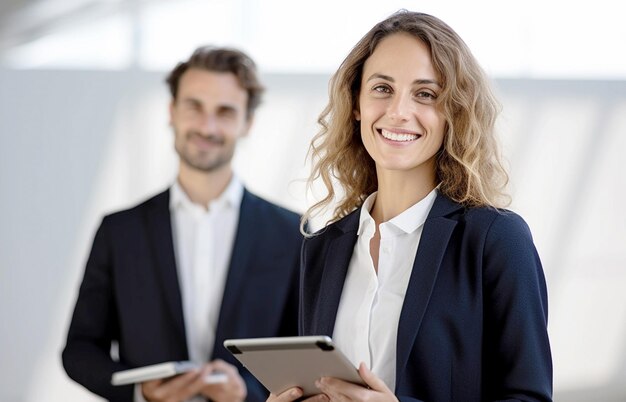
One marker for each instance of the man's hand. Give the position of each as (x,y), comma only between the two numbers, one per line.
(175,389)
(233,390)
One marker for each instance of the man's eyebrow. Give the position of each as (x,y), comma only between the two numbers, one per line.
(227,107)
(192,100)
(390,79)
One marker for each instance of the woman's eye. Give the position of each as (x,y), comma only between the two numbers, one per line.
(425,96)
(382,89)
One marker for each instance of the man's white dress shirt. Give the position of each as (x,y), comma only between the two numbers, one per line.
(203,241)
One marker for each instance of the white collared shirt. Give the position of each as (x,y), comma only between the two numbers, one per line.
(203,242)
(366,326)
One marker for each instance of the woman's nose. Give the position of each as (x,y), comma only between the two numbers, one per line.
(400,108)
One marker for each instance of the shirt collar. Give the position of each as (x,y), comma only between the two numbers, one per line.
(365,218)
(414,217)
(231,196)
(408,221)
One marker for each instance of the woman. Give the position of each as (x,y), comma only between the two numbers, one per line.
(421,277)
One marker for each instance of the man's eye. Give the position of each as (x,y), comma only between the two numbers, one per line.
(191,107)
(228,113)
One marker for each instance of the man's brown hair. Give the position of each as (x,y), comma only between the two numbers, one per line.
(227,60)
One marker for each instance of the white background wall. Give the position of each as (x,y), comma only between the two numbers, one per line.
(77,142)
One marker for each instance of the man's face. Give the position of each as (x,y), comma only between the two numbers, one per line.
(208,117)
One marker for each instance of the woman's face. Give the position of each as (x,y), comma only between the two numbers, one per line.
(401,127)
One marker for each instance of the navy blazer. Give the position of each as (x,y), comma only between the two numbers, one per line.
(473,322)
(130,293)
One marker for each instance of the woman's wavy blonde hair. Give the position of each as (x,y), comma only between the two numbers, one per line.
(468,167)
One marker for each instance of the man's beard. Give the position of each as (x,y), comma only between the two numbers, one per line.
(218,158)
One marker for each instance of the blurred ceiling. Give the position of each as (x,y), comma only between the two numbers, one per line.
(23,21)
(9,6)
(529,39)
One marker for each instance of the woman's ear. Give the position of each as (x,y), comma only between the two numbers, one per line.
(357,115)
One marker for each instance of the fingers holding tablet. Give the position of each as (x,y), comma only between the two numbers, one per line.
(224,382)
(295,393)
(179,387)
(215,378)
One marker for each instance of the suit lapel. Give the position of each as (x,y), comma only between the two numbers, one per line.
(334,275)
(159,228)
(243,251)
(430,253)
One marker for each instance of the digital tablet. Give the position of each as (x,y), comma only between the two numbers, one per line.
(282,363)
(162,370)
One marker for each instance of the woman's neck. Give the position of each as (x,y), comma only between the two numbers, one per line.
(398,191)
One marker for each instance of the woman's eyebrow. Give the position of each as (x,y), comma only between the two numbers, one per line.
(390,79)
(381,76)
(426,82)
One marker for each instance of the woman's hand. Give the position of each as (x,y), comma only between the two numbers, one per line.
(294,393)
(338,391)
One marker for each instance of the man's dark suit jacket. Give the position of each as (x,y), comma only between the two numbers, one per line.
(473,322)
(130,293)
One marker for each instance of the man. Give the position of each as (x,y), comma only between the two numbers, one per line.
(204,261)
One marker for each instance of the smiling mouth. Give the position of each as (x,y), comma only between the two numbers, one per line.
(205,139)
(398,137)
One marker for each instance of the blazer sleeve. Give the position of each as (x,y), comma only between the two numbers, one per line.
(517,357)
(86,357)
